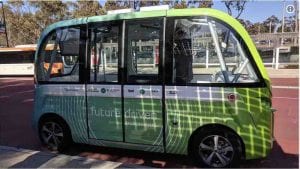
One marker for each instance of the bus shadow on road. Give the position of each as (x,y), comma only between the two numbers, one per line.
(135,157)
(276,159)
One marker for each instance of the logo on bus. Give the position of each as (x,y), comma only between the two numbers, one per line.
(130,90)
(103,90)
(142,91)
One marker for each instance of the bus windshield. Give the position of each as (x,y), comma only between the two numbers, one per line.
(198,41)
(59,56)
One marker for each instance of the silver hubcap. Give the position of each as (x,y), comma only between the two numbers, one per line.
(216,151)
(52,134)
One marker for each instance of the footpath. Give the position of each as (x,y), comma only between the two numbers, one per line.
(11,157)
(283,73)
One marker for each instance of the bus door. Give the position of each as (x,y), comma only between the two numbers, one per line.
(104,95)
(143,117)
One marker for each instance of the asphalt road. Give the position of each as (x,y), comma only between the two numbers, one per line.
(16,106)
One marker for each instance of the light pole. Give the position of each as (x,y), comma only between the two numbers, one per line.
(283,12)
(4,23)
(296,15)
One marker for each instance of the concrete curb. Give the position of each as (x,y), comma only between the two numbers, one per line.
(11,157)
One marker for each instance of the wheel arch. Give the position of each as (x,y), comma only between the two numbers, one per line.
(216,126)
(54,116)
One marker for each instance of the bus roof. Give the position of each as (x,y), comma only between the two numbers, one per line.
(235,24)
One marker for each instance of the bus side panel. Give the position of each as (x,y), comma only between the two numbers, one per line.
(258,102)
(105,118)
(143,121)
(67,101)
(17,69)
(192,107)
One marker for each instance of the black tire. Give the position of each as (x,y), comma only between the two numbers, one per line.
(57,132)
(227,153)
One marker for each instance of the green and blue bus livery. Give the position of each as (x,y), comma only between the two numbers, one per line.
(180,81)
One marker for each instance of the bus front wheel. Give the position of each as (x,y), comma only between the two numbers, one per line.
(54,133)
(216,148)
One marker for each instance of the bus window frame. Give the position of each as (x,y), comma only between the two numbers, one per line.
(26,56)
(160,77)
(89,45)
(81,57)
(170,62)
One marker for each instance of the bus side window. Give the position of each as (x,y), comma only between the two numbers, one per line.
(143,55)
(206,51)
(17,57)
(183,54)
(58,59)
(104,53)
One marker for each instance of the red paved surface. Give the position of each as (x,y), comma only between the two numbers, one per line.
(286,119)
(16,106)
(284,82)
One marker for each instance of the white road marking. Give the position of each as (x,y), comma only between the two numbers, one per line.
(285,87)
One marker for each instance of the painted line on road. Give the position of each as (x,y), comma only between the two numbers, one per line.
(285,87)
(14,85)
(16,78)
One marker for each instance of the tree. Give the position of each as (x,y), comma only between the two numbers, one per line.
(199,3)
(290,23)
(180,4)
(20,23)
(112,5)
(255,28)
(168,2)
(205,4)
(48,12)
(26,19)
(86,8)
(125,3)
(271,22)
(149,3)
(237,5)
(246,23)
(7,12)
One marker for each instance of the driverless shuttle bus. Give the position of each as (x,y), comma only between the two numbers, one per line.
(180,81)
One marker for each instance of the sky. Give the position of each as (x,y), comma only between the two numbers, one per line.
(255,10)
(258,11)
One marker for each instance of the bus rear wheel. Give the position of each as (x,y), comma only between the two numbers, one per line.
(216,148)
(55,134)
